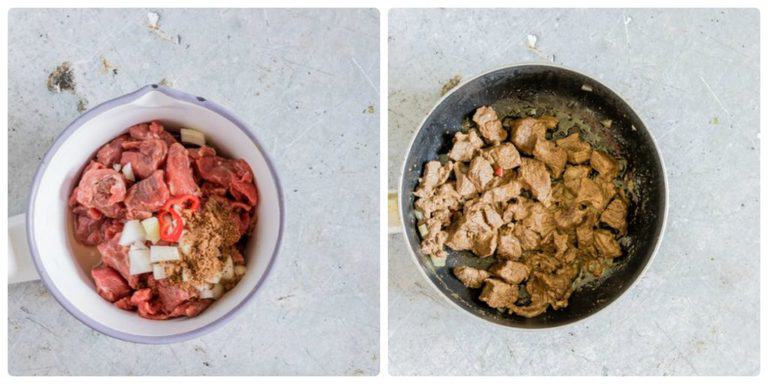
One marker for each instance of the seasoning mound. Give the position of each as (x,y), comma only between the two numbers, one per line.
(210,237)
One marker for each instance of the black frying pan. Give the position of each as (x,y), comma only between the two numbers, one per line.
(581,102)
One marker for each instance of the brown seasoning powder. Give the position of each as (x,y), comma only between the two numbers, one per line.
(211,231)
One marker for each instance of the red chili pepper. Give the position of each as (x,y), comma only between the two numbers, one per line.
(170,229)
(194,202)
(498,171)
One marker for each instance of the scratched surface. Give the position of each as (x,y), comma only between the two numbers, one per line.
(306,81)
(692,75)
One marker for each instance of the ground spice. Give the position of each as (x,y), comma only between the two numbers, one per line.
(210,233)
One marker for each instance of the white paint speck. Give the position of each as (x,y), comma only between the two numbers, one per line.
(531,41)
(153,18)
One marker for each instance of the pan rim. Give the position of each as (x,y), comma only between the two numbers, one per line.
(622,294)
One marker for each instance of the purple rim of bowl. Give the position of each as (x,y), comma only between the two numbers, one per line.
(77,123)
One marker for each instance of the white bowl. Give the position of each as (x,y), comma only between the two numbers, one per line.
(64,264)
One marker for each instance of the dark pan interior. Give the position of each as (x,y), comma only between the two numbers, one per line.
(579,101)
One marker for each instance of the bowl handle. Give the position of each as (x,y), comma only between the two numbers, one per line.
(20,267)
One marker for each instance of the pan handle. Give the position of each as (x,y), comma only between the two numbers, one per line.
(393,213)
(20,267)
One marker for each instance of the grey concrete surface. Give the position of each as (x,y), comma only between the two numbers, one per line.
(307,82)
(692,75)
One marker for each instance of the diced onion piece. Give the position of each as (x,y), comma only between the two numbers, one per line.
(116,167)
(185,275)
(586,88)
(132,232)
(159,253)
(218,291)
(128,172)
(211,292)
(240,270)
(438,261)
(192,136)
(214,279)
(185,245)
(138,260)
(151,229)
(423,230)
(228,272)
(418,215)
(158,271)
(606,123)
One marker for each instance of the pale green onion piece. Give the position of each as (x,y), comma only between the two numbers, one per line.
(138,260)
(192,136)
(158,271)
(423,230)
(128,172)
(132,232)
(158,253)
(438,261)
(151,229)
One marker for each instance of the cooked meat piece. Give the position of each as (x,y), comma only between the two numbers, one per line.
(236,175)
(209,189)
(444,197)
(115,256)
(204,151)
(502,193)
(561,196)
(517,210)
(591,193)
(147,196)
(110,153)
(534,174)
(509,246)
(100,188)
(476,230)
(172,295)
(608,188)
(511,272)
(144,156)
(109,284)
(558,286)
(526,131)
(464,186)
(471,277)
(568,217)
(540,220)
(190,308)
(584,235)
(480,173)
(433,243)
(553,156)
(465,145)
(529,240)
(505,156)
(241,185)
(434,175)
(606,244)
(615,215)
(578,150)
(573,175)
(604,165)
(153,130)
(489,125)
(179,172)
(498,294)
(541,262)
(561,244)
(88,229)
